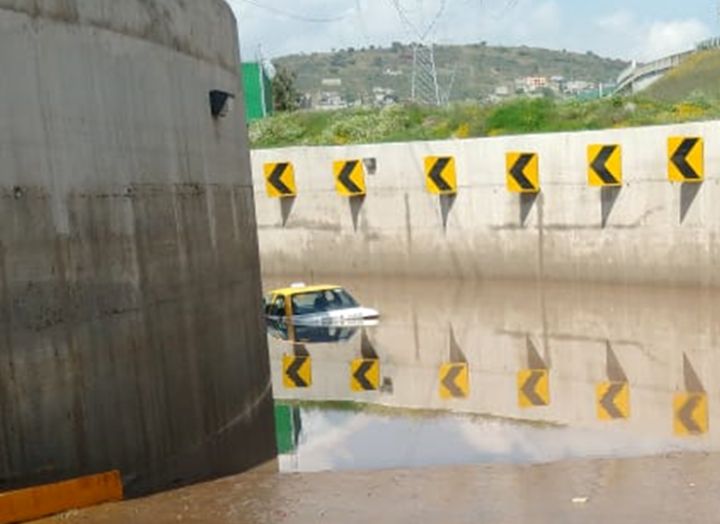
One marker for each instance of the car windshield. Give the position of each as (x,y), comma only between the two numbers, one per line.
(322,301)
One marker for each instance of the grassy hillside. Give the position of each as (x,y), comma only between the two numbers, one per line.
(478,69)
(463,120)
(698,77)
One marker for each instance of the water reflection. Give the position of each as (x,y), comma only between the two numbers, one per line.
(333,439)
(289,332)
(499,371)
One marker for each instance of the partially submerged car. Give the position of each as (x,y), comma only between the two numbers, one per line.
(322,305)
(302,334)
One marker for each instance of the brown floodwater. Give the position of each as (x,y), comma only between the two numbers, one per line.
(500,372)
(493,402)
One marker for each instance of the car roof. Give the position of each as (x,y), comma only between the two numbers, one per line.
(290,291)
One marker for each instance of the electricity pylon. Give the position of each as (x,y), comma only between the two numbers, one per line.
(425,88)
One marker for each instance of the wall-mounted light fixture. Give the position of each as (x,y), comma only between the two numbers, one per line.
(221,103)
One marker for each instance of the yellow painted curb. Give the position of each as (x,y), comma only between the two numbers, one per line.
(42,501)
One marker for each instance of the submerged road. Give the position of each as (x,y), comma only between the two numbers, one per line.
(661,489)
(492,402)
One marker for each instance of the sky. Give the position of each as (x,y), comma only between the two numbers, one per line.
(629,29)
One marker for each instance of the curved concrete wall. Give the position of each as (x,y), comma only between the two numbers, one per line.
(650,230)
(130,333)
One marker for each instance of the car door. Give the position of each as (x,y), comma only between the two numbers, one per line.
(276,309)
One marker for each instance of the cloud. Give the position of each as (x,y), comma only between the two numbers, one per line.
(665,38)
(529,22)
(624,33)
(281,31)
(377,22)
(617,21)
(641,39)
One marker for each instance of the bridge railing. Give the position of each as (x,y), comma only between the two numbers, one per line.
(710,43)
(639,71)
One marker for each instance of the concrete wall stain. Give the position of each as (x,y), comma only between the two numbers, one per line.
(160,25)
(131,335)
(650,231)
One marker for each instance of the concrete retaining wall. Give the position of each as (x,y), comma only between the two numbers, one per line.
(651,230)
(130,330)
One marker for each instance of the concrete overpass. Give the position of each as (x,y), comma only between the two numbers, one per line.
(639,77)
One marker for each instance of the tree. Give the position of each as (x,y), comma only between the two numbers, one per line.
(285,95)
(548,93)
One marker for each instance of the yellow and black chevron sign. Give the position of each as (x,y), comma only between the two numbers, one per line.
(454,380)
(533,388)
(613,400)
(605,165)
(523,172)
(441,175)
(297,371)
(280,180)
(690,414)
(365,375)
(349,177)
(686,159)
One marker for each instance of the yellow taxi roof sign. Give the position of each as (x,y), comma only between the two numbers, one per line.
(296,290)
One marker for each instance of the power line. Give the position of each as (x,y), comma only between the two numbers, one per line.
(421,33)
(404,18)
(435,20)
(494,13)
(424,88)
(363,25)
(295,16)
(499,14)
(512,4)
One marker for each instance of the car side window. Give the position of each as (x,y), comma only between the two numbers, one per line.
(279,307)
(267,304)
(342,299)
(335,300)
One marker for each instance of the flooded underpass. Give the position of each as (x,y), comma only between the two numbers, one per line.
(497,372)
(482,402)
(148,194)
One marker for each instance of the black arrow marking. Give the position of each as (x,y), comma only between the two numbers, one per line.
(680,159)
(608,401)
(275,179)
(293,372)
(449,382)
(344,177)
(359,375)
(528,388)
(518,171)
(685,415)
(436,174)
(599,165)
